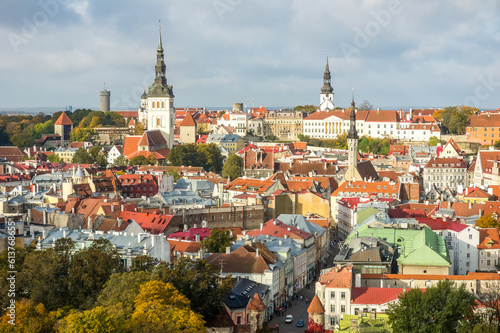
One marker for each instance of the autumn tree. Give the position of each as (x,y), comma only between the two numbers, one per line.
(160,307)
(173,173)
(233,167)
(218,241)
(439,309)
(54,158)
(29,317)
(487,221)
(96,320)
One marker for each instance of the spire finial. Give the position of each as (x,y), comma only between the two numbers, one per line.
(352,103)
(159,31)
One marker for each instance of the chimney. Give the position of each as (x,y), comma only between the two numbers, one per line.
(228,249)
(120,222)
(112,208)
(197,238)
(257,252)
(261,226)
(470,205)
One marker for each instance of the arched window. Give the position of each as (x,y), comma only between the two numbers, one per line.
(162,105)
(154,105)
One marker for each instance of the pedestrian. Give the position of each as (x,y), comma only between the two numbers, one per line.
(301,297)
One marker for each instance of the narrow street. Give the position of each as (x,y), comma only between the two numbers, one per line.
(299,307)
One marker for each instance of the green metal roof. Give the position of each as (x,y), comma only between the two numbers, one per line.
(418,246)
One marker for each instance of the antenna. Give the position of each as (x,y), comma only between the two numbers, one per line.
(104,85)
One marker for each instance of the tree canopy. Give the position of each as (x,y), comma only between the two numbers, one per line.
(217,241)
(487,221)
(440,308)
(233,167)
(365,106)
(456,118)
(203,155)
(307,108)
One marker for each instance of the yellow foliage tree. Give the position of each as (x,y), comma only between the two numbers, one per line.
(487,221)
(97,320)
(160,307)
(29,318)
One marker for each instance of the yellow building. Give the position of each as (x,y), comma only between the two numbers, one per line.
(65,154)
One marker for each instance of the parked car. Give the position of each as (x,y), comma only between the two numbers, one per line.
(300,323)
(289,319)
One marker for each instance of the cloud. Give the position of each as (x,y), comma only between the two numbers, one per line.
(223,51)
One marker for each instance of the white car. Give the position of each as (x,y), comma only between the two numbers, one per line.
(289,319)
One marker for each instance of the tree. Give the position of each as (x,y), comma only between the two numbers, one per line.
(120,291)
(139,128)
(365,106)
(271,137)
(96,320)
(217,242)
(438,115)
(138,160)
(29,317)
(433,141)
(160,307)
(54,158)
(303,138)
(307,108)
(82,156)
(144,263)
(233,167)
(489,298)
(439,309)
(89,270)
(173,173)
(152,160)
(456,118)
(83,134)
(199,282)
(487,221)
(497,145)
(120,161)
(98,155)
(209,157)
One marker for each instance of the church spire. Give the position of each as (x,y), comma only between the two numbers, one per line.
(352,134)
(327,87)
(160,68)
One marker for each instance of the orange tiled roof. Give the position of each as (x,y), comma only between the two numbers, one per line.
(368,187)
(63,120)
(489,239)
(188,120)
(315,306)
(338,277)
(484,119)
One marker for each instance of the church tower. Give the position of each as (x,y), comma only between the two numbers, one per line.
(326,96)
(352,144)
(160,100)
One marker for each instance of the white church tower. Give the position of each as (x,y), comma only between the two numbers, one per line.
(326,96)
(160,101)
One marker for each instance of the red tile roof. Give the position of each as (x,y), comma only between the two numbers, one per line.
(188,120)
(128,114)
(440,224)
(279,229)
(445,163)
(13,154)
(152,138)
(484,119)
(338,277)
(152,223)
(130,146)
(63,120)
(489,239)
(316,306)
(375,296)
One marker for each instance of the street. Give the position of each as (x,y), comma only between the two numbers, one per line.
(299,307)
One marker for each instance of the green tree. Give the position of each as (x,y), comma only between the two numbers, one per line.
(144,263)
(139,128)
(98,156)
(89,270)
(307,108)
(209,157)
(433,141)
(497,145)
(233,167)
(43,128)
(199,282)
(487,221)
(152,160)
(456,118)
(271,137)
(82,156)
(439,309)
(303,138)
(138,160)
(174,174)
(54,158)
(83,134)
(217,242)
(120,291)
(120,161)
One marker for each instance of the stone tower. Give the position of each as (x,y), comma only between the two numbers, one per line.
(63,126)
(352,145)
(257,313)
(326,96)
(316,311)
(160,100)
(105,100)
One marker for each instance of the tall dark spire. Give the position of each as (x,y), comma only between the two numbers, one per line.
(160,68)
(327,87)
(352,134)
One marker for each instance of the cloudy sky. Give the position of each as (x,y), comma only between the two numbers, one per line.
(422,53)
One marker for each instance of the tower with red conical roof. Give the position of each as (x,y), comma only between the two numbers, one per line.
(63,126)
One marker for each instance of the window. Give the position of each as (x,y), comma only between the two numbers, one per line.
(470,236)
(332,295)
(332,308)
(238,320)
(342,308)
(342,295)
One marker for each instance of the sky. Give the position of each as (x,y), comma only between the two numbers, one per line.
(396,53)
